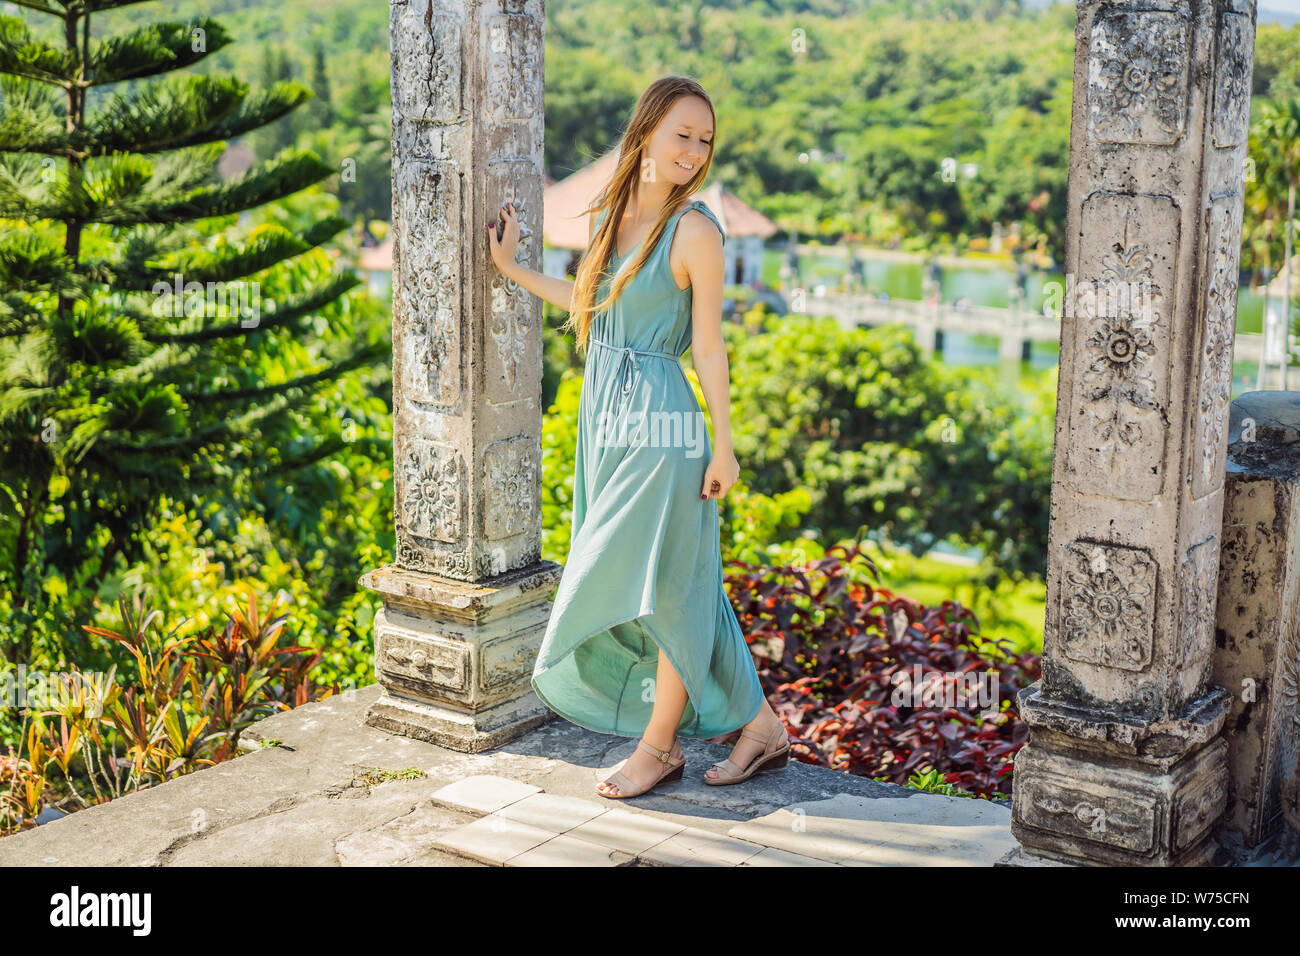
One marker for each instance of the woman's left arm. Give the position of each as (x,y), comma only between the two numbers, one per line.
(705,263)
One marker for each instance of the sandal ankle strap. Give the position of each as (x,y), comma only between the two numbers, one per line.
(663,756)
(766,738)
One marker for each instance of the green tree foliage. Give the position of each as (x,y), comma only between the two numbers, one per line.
(880,436)
(1275,150)
(114,389)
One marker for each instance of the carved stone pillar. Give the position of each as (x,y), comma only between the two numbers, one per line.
(1257,652)
(466,604)
(1125,763)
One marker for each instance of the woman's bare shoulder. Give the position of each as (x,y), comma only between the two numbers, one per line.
(698,230)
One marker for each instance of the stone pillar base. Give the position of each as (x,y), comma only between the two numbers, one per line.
(456,659)
(1117,790)
(458,730)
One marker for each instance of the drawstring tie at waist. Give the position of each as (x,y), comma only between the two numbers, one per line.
(627,364)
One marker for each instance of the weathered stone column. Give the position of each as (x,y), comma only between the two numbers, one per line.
(1257,627)
(466,604)
(1125,762)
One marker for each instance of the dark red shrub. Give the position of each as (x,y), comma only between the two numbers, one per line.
(839,659)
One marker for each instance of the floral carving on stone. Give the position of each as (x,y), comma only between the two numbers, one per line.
(514,69)
(1288,692)
(1119,354)
(1197,808)
(426,63)
(411,557)
(1234,41)
(428,288)
(1220,309)
(431,491)
(1137,77)
(1121,345)
(1106,606)
(511,476)
(511,322)
(1200,583)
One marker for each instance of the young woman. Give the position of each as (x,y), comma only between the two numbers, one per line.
(642,640)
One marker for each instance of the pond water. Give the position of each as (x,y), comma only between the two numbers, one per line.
(988,284)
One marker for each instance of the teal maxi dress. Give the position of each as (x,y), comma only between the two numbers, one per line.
(644,572)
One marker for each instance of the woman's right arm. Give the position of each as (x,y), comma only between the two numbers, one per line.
(558,292)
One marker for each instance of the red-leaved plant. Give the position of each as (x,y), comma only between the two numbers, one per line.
(838,659)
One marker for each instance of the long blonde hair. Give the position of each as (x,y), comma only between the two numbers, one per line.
(655,102)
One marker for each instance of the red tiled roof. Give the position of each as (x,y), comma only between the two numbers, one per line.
(566,227)
(378,258)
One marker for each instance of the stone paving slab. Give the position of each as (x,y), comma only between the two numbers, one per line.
(696,847)
(546,829)
(565,850)
(771,856)
(627,831)
(494,839)
(552,811)
(862,831)
(483,793)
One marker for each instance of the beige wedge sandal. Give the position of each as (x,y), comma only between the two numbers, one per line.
(776,753)
(672,771)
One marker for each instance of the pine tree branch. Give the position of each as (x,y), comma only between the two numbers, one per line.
(121,191)
(282,176)
(130,188)
(155,367)
(93,6)
(231,429)
(33,130)
(162,115)
(254,469)
(33,117)
(257,109)
(153,49)
(324,449)
(297,307)
(40,6)
(364,355)
(24,55)
(17,315)
(30,260)
(179,172)
(201,265)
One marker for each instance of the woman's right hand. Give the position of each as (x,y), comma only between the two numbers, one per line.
(503,250)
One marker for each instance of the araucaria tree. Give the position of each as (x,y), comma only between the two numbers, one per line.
(138,344)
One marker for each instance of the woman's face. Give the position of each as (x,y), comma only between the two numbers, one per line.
(681,143)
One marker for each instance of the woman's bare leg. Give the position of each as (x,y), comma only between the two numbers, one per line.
(670,703)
